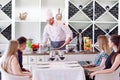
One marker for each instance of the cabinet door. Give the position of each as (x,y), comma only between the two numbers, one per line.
(40,59)
(32,59)
(25,60)
(46,58)
(81,57)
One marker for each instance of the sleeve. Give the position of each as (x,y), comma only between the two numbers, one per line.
(20,60)
(67,31)
(45,35)
(104,55)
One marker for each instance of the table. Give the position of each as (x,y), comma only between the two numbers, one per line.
(58,71)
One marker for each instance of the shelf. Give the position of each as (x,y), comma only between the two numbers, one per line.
(4,25)
(5,32)
(2,21)
(27,3)
(4,2)
(33,14)
(29,30)
(114,11)
(80,4)
(79,21)
(99,10)
(79,16)
(72,10)
(88,32)
(79,27)
(73,30)
(26,21)
(54,11)
(114,31)
(52,4)
(106,17)
(3,16)
(74,41)
(98,31)
(106,26)
(106,3)
(106,21)
(88,10)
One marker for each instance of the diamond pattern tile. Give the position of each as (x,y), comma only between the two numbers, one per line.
(114,11)
(72,10)
(88,10)
(98,32)
(7,32)
(96,49)
(99,10)
(89,32)
(74,31)
(7,9)
(114,31)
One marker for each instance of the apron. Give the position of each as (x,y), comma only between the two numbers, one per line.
(57,44)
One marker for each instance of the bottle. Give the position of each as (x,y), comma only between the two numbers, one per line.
(82,42)
(78,43)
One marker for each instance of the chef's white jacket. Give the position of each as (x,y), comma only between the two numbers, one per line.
(56,32)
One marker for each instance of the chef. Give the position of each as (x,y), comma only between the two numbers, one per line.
(57,32)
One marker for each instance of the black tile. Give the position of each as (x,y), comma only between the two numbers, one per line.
(7,9)
(72,10)
(114,11)
(114,31)
(88,10)
(97,32)
(89,32)
(74,31)
(99,10)
(96,50)
(7,32)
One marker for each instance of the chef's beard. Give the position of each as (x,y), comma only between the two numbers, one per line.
(51,22)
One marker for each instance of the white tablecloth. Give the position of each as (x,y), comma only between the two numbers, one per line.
(58,71)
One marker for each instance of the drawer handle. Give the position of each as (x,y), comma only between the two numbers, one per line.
(40,59)
(31,60)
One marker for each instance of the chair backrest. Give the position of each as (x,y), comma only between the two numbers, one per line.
(110,76)
(7,76)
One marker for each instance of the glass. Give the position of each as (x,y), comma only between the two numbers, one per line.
(61,54)
(52,55)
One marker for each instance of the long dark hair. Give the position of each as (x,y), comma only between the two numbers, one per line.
(116,40)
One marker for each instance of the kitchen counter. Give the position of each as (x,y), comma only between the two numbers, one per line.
(68,53)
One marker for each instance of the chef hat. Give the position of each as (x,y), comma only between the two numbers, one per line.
(49,14)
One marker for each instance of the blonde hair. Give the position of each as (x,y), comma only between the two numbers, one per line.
(103,43)
(12,50)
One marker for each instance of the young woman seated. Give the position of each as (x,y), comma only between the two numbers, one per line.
(101,57)
(9,60)
(113,61)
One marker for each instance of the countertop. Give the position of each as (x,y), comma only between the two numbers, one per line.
(68,53)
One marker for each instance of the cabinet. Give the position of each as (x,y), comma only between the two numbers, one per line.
(5,23)
(90,17)
(31,60)
(93,18)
